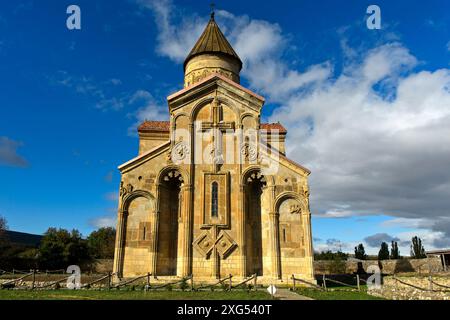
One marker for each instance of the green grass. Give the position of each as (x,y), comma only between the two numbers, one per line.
(129,295)
(335,294)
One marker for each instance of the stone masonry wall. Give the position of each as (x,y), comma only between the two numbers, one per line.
(397,288)
(423,266)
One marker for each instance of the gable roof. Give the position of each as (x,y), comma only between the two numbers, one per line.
(213,41)
(145,156)
(164,126)
(214,76)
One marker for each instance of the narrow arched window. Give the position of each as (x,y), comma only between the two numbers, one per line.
(215,199)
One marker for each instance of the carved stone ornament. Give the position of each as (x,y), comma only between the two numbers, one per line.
(295,209)
(249,152)
(205,244)
(125,190)
(180,151)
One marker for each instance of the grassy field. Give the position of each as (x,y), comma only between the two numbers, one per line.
(129,295)
(336,294)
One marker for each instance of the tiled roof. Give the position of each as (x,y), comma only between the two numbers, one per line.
(161,126)
(164,126)
(273,126)
(212,40)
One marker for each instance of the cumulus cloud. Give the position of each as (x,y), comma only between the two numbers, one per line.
(8,153)
(376,239)
(376,136)
(259,43)
(103,222)
(173,40)
(150,109)
(333,245)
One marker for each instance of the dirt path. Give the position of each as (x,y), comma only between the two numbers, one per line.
(286,294)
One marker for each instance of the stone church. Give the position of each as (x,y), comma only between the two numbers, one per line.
(212,192)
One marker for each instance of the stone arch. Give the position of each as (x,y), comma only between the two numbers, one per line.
(290,209)
(170,180)
(138,210)
(253,183)
(227,102)
(184,174)
(135,194)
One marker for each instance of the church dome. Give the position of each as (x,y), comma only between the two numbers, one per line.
(211,53)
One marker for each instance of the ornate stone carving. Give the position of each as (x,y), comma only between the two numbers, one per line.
(224,244)
(125,190)
(204,244)
(249,152)
(180,151)
(169,156)
(305,189)
(295,209)
(173,174)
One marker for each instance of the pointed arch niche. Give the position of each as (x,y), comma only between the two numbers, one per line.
(254,182)
(137,236)
(170,184)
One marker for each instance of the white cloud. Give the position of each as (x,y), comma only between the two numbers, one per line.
(103,222)
(112,196)
(150,109)
(173,41)
(376,151)
(259,44)
(376,136)
(8,153)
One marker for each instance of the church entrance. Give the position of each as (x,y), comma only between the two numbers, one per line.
(253,229)
(166,262)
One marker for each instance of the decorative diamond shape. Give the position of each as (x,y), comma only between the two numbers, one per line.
(204,244)
(224,244)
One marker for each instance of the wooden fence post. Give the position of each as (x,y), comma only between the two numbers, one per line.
(231,283)
(430,281)
(293,280)
(192,282)
(254,282)
(109,280)
(324,282)
(148,281)
(357,281)
(34,279)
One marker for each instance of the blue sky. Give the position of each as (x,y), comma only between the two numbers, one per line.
(70,102)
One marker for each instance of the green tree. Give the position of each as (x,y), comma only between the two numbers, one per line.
(329,255)
(395,252)
(3,228)
(60,248)
(101,243)
(417,249)
(360,252)
(383,254)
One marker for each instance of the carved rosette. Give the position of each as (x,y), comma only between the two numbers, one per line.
(249,152)
(180,151)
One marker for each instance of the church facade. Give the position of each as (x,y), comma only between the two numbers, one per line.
(212,192)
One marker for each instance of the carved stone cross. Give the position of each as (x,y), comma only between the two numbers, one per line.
(215,244)
(218,127)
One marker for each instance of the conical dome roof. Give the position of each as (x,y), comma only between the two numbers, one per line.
(213,41)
